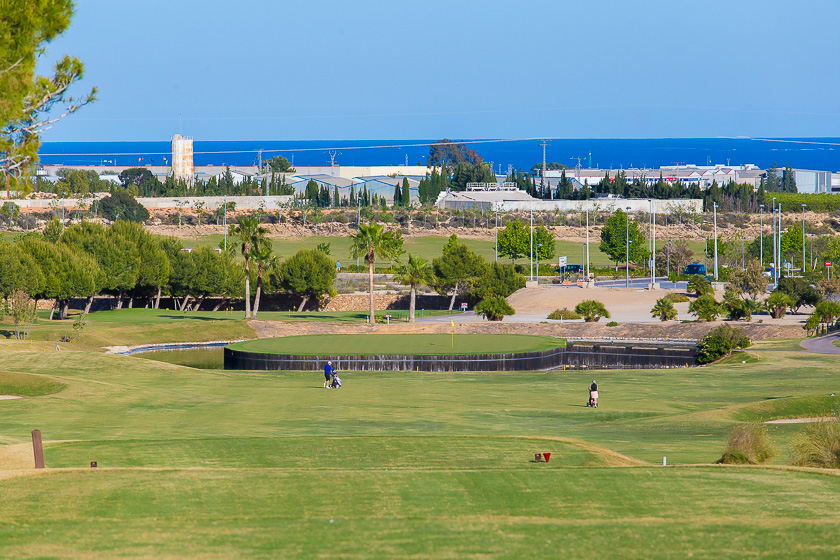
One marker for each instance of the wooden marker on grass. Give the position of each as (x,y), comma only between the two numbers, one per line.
(38,447)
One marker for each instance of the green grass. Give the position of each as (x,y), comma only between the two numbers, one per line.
(428,247)
(24,385)
(152,326)
(405,344)
(227,464)
(786,344)
(836,343)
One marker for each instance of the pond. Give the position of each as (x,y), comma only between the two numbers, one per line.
(199,358)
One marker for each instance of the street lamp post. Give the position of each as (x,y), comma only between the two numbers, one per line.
(225,222)
(497,236)
(652,245)
(775,263)
(627,250)
(716,253)
(803,237)
(761,234)
(532,244)
(586,258)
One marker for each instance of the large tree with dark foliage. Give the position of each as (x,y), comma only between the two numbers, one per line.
(122,206)
(29,104)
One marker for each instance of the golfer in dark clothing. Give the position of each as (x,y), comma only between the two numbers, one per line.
(328,371)
(593,394)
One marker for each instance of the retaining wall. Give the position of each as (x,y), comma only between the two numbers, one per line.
(578,354)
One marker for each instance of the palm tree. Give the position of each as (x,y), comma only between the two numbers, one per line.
(261,253)
(591,310)
(700,285)
(373,241)
(250,233)
(416,273)
(664,309)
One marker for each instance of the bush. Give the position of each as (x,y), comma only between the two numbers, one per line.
(122,206)
(706,307)
(818,445)
(498,280)
(777,304)
(494,308)
(720,342)
(612,324)
(748,445)
(800,291)
(591,310)
(564,314)
(664,309)
(700,285)
(676,298)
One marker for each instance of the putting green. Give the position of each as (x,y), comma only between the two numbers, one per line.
(399,344)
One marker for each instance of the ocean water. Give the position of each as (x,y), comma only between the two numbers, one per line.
(802,153)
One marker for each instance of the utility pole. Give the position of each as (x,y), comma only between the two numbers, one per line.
(761,234)
(542,184)
(716,239)
(532,244)
(627,250)
(803,238)
(225,222)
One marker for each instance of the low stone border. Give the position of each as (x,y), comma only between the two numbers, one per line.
(128,350)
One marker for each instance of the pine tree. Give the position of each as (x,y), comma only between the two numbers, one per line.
(406,193)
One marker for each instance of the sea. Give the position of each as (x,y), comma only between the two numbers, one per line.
(802,153)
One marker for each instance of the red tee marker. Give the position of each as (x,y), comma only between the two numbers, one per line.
(547,456)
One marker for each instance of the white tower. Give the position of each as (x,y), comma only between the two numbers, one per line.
(182,158)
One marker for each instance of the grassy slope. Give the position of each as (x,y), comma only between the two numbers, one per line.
(411,344)
(151,326)
(256,464)
(427,247)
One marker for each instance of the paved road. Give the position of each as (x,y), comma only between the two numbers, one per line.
(642,283)
(822,345)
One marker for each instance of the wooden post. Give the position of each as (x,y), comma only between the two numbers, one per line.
(38,448)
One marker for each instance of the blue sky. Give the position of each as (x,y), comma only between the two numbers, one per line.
(370,69)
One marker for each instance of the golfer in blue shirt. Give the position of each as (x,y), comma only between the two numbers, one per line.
(328,371)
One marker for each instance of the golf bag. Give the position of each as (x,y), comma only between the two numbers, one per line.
(336,382)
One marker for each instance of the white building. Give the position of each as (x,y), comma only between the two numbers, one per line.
(182,158)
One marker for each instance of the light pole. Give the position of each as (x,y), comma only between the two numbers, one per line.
(652,245)
(627,250)
(779,245)
(743,261)
(532,244)
(587,242)
(716,256)
(803,237)
(775,251)
(497,235)
(761,234)
(225,222)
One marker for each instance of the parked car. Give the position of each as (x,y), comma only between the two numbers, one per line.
(569,269)
(693,269)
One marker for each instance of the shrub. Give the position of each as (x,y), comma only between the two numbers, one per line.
(720,342)
(498,280)
(700,285)
(748,445)
(737,308)
(122,206)
(818,445)
(612,324)
(494,308)
(564,314)
(800,291)
(676,298)
(777,304)
(706,307)
(341,218)
(591,310)
(664,309)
